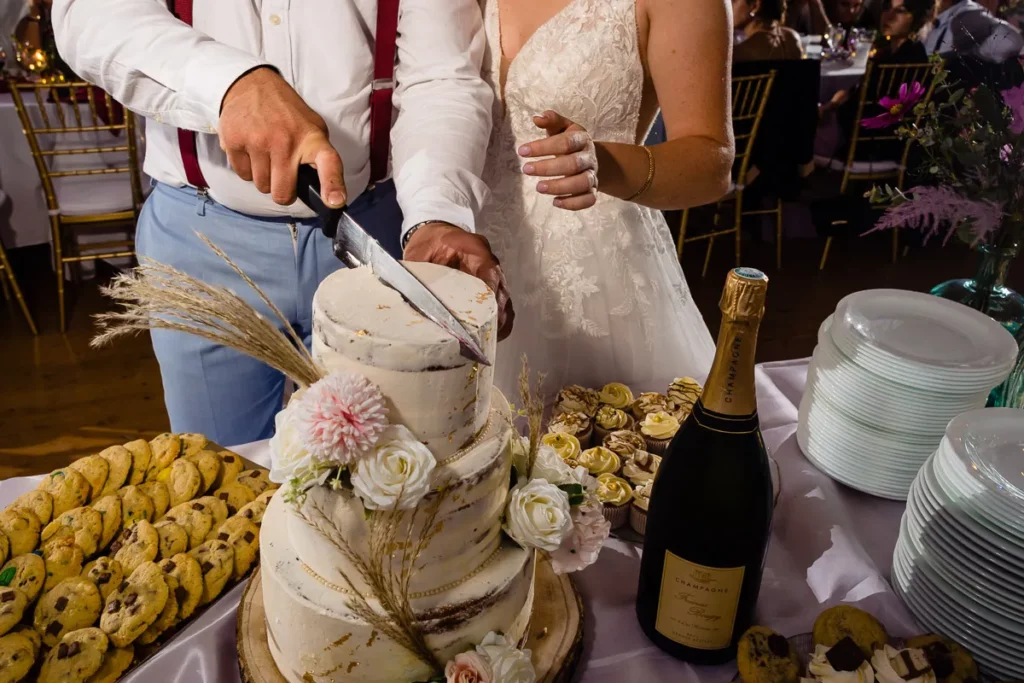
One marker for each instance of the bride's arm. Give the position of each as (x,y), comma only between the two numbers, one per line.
(688,56)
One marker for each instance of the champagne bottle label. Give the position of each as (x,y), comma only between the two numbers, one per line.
(697,606)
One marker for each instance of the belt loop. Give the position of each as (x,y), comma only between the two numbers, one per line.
(202,199)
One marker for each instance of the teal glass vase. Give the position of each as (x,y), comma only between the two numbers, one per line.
(1012,395)
(987,292)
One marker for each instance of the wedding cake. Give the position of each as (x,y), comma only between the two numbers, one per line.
(468,578)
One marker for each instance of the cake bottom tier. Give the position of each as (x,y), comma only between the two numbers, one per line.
(315,637)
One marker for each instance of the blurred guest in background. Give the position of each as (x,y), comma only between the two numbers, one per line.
(807,17)
(854,14)
(968,30)
(759,24)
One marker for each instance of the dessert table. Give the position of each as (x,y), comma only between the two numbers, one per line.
(830,544)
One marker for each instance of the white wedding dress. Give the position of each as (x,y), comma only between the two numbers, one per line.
(599,294)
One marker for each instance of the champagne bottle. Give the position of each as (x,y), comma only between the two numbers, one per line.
(710,512)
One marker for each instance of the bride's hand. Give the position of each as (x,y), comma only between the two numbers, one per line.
(574,166)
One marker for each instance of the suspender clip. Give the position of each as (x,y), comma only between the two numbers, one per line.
(383,84)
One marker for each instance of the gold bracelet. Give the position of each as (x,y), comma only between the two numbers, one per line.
(650,176)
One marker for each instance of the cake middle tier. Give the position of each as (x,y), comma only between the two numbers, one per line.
(465,534)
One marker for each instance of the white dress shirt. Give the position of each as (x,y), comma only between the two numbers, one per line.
(176,76)
(996,41)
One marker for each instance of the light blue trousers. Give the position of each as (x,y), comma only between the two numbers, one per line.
(211,389)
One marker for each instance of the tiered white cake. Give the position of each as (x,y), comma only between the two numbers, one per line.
(470,580)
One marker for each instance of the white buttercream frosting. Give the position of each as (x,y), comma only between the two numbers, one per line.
(894,666)
(822,670)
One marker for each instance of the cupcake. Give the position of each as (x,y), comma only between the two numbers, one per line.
(843,661)
(638,510)
(624,443)
(608,420)
(566,446)
(649,403)
(951,662)
(641,467)
(577,399)
(616,395)
(658,429)
(909,665)
(615,494)
(574,424)
(682,395)
(600,460)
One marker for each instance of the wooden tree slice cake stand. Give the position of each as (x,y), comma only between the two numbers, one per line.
(555,635)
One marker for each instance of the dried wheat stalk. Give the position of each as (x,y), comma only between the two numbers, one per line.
(533,409)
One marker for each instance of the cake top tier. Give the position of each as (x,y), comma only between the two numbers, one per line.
(381,329)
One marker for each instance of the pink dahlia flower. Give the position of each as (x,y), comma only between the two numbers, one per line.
(341,417)
(896,108)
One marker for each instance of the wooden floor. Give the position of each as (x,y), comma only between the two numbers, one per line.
(60,399)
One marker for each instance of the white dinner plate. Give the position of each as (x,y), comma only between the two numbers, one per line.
(835,448)
(820,414)
(990,445)
(854,480)
(985,505)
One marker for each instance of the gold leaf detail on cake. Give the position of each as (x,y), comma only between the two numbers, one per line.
(339,642)
(362,333)
(373,638)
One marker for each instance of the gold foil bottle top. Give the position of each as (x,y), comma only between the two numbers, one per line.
(744,294)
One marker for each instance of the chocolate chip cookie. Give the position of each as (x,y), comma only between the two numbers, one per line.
(196,522)
(231,466)
(165,450)
(192,444)
(120,461)
(217,562)
(158,493)
(94,468)
(244,538)
(115,663)
(168,616)
(189,576)
(27,573)
(182,480)
(141,457)
(137,545)
(208,465)
(38,502)
(22,529)
(135,506)
(217,508)
(17,657)
(106,572)
(254,511)
(85,525)
(13,603)
(135,605)
(173,538)
(72,604)
(236,495)
(258,480)
(68,488)
(764,656)
(845,621)
(110,510)
(77,657)
(63,559)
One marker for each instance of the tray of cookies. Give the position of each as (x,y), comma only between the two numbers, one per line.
(108,559)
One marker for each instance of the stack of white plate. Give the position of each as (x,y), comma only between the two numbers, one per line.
(959,561)
(890,371)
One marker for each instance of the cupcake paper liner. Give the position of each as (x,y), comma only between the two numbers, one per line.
(618,515)
(657,446)
(638,519)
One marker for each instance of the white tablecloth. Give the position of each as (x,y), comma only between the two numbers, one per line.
(830,544)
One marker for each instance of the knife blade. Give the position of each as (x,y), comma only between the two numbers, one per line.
(355,247)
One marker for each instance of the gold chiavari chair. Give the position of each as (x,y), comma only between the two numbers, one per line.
(880,80)
(749,99)
(9,285)
(87,159)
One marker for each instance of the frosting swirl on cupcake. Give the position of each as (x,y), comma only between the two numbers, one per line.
(650,402)
(574,423)
(660,425)
(642,495)
(641,467)
(565,445)
(577,399)
(616,395)
(611,418)
(613,490)
(624,443)
(599,460)
(902,666)
(684,392)
(823,670)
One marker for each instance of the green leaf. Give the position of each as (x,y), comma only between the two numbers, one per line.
(7,575)
(990,108)
(576,494)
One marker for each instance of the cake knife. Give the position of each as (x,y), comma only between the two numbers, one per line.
(356,247)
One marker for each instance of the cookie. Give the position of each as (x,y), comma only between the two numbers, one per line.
(68,488)
(208,465)
(182,480)
(120,461)
(17,657)
(244,538)
(95,469)
(63,560)
(106,572)
(189,577)
(173,538)
(77,657)
(27,573)
(167,618)
(137,545)
(948,659)
(196,522)
(31,634)
(22,530)
(5,548)
(13,603)
(110,510)
(254,511)
(764,656)
(39,503)
(845,621)
(142,454)
(217,508)
(135,605)
(231,466)
(192,444)
(235,495)
(135,506)
(165,450)
(72,604)
(257,480)
(158,493)
(217,562)
(85,524)
(115,663)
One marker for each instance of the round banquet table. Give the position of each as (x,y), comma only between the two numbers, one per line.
(830,544)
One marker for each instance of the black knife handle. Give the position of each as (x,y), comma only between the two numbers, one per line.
(308,191)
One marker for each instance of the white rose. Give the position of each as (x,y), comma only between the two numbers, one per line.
(288,457)
(538,515)
(508,665)
(550,467)
(396,472)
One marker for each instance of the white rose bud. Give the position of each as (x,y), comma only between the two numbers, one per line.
(508,665)
(396,472)
(288,457)
(550,467)
(538,515)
